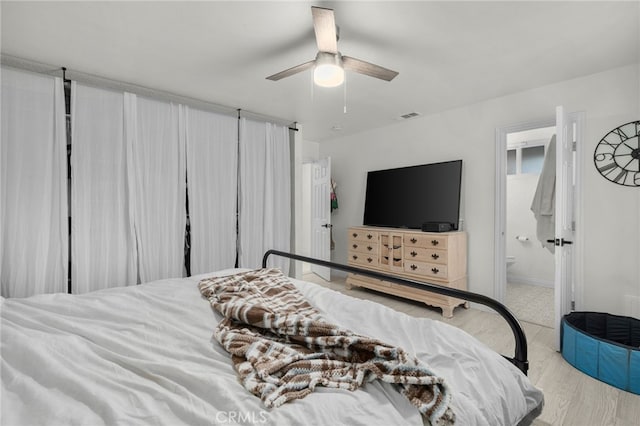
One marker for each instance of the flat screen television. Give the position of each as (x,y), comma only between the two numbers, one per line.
(407,197)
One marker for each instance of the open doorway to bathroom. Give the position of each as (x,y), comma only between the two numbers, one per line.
(566,214)
(530,261)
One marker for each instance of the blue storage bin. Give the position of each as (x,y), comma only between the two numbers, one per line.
(604,346)
(634,372)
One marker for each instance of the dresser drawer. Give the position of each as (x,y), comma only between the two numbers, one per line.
(362,258)
(368,247)
(434,270)
(428,240)
(429,255)
(362,235)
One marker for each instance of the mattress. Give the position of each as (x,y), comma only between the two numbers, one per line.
(145,355)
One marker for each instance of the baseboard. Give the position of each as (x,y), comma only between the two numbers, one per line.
(518,279)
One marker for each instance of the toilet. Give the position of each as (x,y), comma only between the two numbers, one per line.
(510,260)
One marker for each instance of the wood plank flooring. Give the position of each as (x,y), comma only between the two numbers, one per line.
(571,397)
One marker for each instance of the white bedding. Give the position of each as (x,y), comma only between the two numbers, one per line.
(144,355)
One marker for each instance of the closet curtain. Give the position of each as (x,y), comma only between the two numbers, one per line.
(34,231)
(212,164)
(265,193)
(102,235)
(158,170)
(130,157)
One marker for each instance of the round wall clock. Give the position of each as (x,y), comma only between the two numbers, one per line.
(617,156)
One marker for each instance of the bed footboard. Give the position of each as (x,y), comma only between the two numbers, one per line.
(520,356)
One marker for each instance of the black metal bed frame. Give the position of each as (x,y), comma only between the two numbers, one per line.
(520,353)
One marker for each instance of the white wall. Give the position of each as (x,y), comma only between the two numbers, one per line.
(310,151)
(608,214)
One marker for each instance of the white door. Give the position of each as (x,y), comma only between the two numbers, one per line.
(321,215)
(566,140)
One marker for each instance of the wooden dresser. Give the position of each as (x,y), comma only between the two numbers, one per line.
(439,258)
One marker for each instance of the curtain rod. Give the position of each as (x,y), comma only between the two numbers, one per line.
(262,117)
(106,83)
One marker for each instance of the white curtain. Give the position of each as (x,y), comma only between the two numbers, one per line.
(265,193)
(158,168)
(102,238)
(34,231)
(212,161)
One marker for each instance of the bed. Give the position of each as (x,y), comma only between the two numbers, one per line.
(144,355)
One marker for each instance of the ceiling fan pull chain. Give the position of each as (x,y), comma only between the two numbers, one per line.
(312,84)
(345,94)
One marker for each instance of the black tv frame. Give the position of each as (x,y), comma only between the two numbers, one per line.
(367,221)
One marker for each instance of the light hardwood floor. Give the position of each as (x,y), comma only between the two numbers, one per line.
(571,397)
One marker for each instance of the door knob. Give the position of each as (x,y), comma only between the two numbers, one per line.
(327,225)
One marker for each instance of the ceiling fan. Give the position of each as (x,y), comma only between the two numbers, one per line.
(329,64)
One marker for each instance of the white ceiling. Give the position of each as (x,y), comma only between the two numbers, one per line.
(448,54)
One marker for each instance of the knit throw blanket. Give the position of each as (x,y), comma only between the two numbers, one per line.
(282,348)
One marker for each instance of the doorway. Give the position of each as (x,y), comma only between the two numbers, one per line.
(530,262)
(566,212)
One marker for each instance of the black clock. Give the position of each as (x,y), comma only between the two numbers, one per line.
(617,156)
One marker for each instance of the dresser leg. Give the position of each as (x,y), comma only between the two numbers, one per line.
(466,305)
(447,311)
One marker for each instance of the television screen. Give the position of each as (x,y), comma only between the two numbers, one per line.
(407,197)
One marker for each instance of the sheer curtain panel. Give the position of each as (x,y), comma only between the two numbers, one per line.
(265,193)
(102,237)
(212,168)
(34,239)
(159,182)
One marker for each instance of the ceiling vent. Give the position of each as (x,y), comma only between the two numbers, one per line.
(409,115)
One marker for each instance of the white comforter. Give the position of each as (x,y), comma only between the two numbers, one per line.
(144,355)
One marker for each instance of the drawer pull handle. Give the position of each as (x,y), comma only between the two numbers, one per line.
(413,267)
(435,255)
(413,240)
(355,246)
(369,248)
(354,235)
(435,242)
(414,254)
(396,247)
(369,236)
(369,259)
(355,257)
(397,259)
(435,270)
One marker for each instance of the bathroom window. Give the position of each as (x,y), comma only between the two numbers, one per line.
(532,159)
(526,157)
(511,162)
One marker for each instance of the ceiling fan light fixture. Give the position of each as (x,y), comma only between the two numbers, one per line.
(328,71)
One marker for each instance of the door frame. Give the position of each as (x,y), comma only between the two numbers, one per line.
(500,266)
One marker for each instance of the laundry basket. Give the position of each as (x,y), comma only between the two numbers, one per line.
(604,346)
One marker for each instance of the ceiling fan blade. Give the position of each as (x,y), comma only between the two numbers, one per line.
(324,24)
(291,71)
(367,68)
